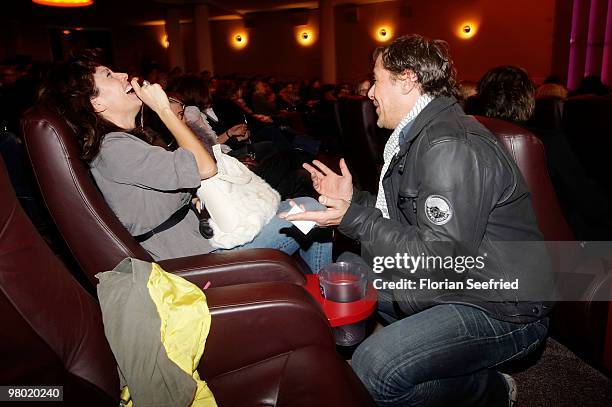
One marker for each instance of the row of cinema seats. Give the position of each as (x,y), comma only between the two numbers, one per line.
(270,343)
(586,121)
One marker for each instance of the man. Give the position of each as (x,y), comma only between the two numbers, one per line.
(447,188)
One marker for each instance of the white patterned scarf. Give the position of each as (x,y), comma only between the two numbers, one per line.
(392,148)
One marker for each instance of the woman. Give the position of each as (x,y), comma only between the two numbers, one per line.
(193,92)
(146,186)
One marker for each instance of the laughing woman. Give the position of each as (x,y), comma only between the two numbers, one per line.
(146,186)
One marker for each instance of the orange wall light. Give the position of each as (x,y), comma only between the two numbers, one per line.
(466,30)
(383,33)
(239,40)
(305,36)
(64,3)
(164,41)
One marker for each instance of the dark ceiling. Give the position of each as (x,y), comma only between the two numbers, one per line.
(105,13)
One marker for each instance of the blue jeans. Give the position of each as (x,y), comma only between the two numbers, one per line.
(315,248)
(444,356)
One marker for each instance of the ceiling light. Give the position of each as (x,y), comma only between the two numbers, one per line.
(64,3)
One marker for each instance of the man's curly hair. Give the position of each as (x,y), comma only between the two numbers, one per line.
(428,59)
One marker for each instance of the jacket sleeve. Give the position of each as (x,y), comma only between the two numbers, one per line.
(452,206)
(363,198)
(125,160)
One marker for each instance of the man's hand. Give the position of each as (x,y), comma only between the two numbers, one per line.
(332,216)
(328,183)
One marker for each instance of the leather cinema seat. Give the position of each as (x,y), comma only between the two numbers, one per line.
(269,343)
(586,120)
(585,326)
(528,153)
(548,113)
(94,235)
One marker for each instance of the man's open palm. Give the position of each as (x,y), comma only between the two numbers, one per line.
(328,183)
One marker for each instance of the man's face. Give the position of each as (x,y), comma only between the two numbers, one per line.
(393,97)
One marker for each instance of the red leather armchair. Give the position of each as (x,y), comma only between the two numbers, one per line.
(585,327)
(586,120)
(94,235)
(269,343)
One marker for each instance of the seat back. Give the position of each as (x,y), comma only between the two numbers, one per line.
(548,113)
(361,139)
(52,329)
(92,232)
(586,120)
(528,153)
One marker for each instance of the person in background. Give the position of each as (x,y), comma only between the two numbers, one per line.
(363,86)
(591,85)
(552,87)
(507,93)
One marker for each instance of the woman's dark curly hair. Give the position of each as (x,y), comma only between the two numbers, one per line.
(507,93)
(68,90)
(428,59)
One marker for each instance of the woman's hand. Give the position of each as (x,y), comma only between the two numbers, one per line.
(151,95)
(240,131)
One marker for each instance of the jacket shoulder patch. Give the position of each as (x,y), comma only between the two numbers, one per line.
(438,209)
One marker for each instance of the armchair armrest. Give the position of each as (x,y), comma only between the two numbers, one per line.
(236,267)
(254,322)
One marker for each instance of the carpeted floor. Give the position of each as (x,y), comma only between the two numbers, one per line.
(561,379)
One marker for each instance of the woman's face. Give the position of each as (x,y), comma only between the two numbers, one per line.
(116,99)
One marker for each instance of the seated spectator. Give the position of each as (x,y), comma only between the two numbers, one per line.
(343,90)
(191,95)
(288,98)
(467,95)
(552,87)
(591,85)
(190,101)
(507,93)
(445,188)
(263,99)
(363,86)
(147,186)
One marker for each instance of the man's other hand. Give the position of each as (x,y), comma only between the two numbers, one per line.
(328,183)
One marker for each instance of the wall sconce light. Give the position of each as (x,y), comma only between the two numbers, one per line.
(238,40)
(466,30)
(305,37)
(384,34)
(164,41)
(66,32)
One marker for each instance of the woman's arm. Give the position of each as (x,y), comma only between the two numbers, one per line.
(155,97)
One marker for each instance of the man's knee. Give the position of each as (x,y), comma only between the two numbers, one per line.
(379,371)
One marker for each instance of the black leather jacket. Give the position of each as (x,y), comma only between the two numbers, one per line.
(453,190)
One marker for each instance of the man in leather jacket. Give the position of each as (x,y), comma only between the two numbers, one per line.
(448,190)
